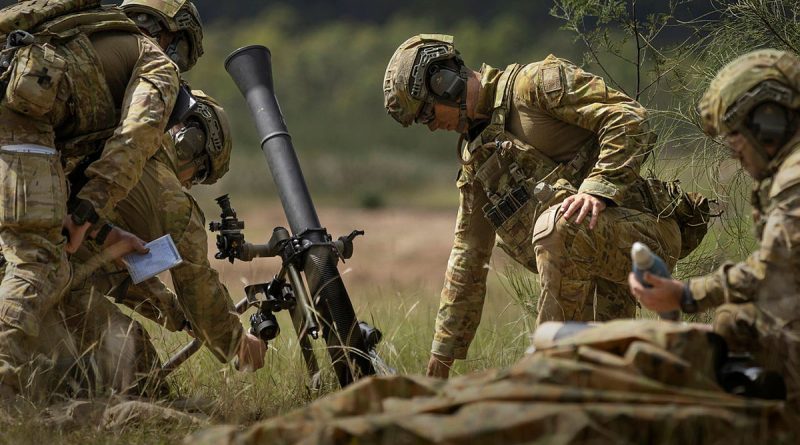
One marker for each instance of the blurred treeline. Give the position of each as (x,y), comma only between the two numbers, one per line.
(329,59)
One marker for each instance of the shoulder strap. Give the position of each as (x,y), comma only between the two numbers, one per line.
(502,98)
(29,14)
(106,18)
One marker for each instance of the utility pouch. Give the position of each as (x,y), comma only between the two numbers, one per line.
(37,71)
(693,213)
(691,210)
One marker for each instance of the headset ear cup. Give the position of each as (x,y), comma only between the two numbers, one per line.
(770,124)
(445,83)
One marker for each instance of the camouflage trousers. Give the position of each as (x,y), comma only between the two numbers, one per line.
(747,330)
(53,342)
(584,272)
(33,189)
(87,347)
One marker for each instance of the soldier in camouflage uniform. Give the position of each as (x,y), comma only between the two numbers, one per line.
(88,81)
(194,152)
(545,141)
(159,205)
(753,103)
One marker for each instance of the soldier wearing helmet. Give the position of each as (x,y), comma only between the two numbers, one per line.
(202,142)
(752,105)
(175,24)
(195,150)
(550,166)
(95,85)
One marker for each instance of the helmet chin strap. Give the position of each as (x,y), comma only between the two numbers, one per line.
(760,151)
(464,122)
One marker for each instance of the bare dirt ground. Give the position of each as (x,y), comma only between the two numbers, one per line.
(401,248)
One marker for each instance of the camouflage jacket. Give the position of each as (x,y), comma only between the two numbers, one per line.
(769,276)
(76,111)
(556,112)
(147,104)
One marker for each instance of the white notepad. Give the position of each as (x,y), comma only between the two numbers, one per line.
(163,255)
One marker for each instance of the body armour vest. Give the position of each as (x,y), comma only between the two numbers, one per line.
(519,180)
(80,106)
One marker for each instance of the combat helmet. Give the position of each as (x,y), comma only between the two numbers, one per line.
(205,140)
(178,16)
(425,69)
(757,95)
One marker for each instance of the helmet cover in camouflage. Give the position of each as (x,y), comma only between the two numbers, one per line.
(749,80)
(210,114)
(178,16)
(405,90)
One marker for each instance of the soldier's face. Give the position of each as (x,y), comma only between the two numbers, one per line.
(445,117)
(742,149)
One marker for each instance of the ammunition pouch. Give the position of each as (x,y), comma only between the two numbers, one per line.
(520,183)
(33,83)
(507,206)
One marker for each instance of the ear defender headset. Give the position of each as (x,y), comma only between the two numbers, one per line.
(765,115)
(446,83)
(771,124)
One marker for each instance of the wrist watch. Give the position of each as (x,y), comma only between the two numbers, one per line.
(102,234)
(688,303)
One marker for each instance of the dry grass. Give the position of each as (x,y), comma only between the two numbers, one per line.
(394,280)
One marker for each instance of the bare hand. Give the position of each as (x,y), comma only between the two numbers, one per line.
(251,353)
(439,366)
(664,295)
(120,243)
(584,204)
(75,234)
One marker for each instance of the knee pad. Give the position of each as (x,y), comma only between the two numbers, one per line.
(546,224)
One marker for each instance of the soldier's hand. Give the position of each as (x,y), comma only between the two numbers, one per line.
(439,366)
(251,353)
(75,234)
(119,243)
(584,204)
(664,295)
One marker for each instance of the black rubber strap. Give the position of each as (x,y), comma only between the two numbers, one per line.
(102,234)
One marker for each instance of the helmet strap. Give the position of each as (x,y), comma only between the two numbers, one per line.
(464,122)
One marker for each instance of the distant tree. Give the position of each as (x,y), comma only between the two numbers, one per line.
(669,75)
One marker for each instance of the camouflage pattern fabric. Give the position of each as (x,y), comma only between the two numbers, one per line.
(28,14)
(573,258)
(559,114)
(741,75)
(119,412)
(156,206)
(85,347)
(176,16)
(767,281)
(148,102)
(627,381)
(34,205)
(34,188)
